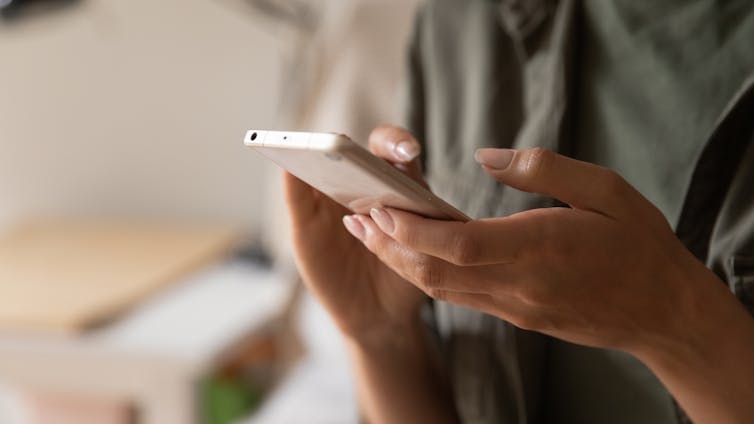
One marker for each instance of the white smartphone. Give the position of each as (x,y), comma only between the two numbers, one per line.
(348,173)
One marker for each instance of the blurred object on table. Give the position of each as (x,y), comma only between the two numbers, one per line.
(221,336)
(134,109)
(252,371)
(318,389)
(68,275)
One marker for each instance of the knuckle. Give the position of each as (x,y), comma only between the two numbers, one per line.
(378,244)
(426,274)
(406,235)
(613,184)
(373,242)
(536,160)
(464,250)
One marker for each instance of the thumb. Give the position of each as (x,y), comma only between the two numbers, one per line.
(580,184)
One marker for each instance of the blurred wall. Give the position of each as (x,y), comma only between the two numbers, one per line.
(135,108)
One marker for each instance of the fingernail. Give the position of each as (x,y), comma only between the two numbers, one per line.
(383,220)
(354,227)
(497,159)
(407,150)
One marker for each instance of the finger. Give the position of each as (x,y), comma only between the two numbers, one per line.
(394,144)
(400,148)
(467,287)
(429,274)
(580,184)
(479,242)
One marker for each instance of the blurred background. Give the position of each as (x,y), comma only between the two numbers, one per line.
(145,272)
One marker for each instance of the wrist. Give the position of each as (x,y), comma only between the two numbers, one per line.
(390,336)
(706,366)
(709,326)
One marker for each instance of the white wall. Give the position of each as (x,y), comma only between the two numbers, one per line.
(135,108)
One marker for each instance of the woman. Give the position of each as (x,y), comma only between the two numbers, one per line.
(626,315)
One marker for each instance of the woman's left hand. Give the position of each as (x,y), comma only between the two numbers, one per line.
(607,272)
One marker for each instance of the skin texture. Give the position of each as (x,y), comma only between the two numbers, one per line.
(398,377)
(607,272)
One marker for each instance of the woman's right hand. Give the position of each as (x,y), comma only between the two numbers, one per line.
(364,296)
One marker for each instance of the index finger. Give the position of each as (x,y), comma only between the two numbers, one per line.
(582,185)
(478,242)
(394,144)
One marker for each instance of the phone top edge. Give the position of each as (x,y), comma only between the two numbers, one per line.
(297,140)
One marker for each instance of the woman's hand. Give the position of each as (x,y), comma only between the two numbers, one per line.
(362,294)
(397,373)
(607,272)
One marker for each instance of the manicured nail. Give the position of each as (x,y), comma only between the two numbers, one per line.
(354,227)
(407,150)
(497,159)
(383,220)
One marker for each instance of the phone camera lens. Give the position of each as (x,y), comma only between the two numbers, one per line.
(253,136)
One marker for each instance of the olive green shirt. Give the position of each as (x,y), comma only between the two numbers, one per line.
(653,77)
(658,94)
